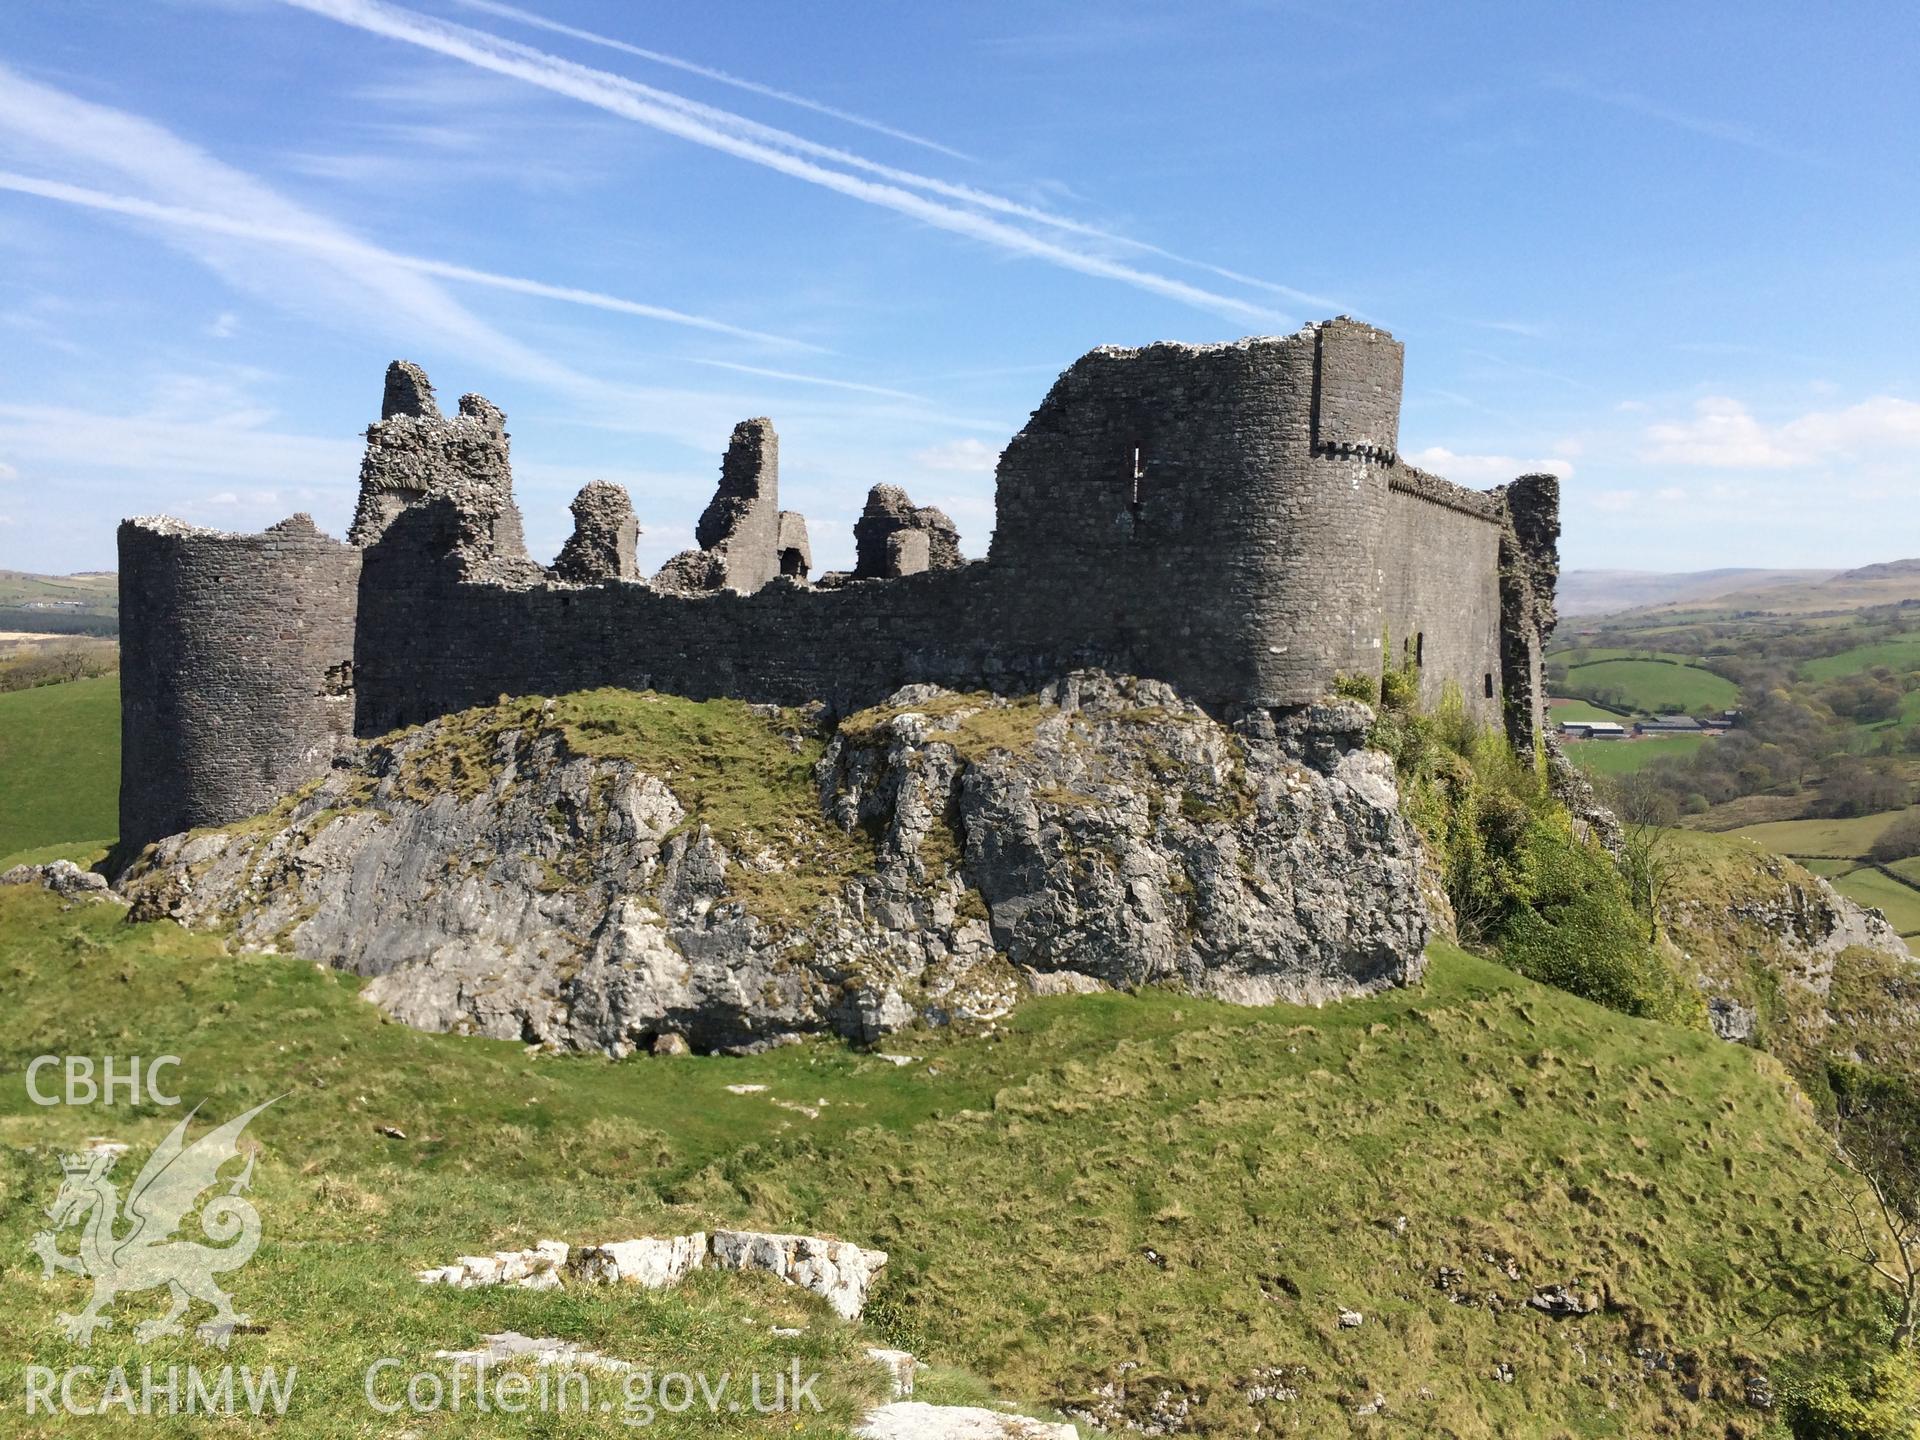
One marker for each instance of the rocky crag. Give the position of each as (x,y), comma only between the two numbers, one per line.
(1786,962)
(613,871)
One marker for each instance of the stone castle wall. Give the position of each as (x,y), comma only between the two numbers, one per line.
(236,669)
(1440,571)
(1232,519)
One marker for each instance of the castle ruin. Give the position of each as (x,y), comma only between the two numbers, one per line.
(1234,519)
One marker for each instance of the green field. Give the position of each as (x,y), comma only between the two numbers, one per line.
(1581,655)
(1096,1182)
(1576,710)
(1623,757)
(1653,686)
(1899,655)
(59,764)
(1850,837)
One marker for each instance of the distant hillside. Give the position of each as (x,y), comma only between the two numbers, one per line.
(84,604)
(1606,592)
(1780,592)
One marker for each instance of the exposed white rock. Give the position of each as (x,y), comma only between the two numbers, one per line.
(916,1420)
(836,1270)
(535,1269)
(63,877)
(510,1345)
(840,1272)
(651,1263)
(899,1365)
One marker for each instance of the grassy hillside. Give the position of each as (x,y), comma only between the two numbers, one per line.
(1899,654)
(59,764)
(1575,710)
(94,592)
(1171,1194)
(1846,838)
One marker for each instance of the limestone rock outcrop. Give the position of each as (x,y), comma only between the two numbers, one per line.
(63,878)
(840,1272)
(960,851)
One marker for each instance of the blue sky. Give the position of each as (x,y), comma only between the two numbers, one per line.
(1672,252)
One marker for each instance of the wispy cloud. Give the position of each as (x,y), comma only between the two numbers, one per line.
(541,22)
(343,277)
(790,155)
(7,472)
(782,139)
(338,245)
(212,444)
(1724,130)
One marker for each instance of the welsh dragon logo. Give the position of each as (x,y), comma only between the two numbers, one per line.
(147,1255)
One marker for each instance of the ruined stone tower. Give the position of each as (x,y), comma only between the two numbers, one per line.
(1234,519)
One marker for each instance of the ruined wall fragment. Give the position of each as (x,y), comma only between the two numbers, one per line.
(1529,578)
(889,512)
(742,521)
(605,534)
(796,551)
(413,452)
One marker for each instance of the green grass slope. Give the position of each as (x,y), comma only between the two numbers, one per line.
(1899,654)
(1847,838)
(1155,1192)
(59,764)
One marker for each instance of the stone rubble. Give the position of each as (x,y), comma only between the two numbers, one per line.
(841,1272)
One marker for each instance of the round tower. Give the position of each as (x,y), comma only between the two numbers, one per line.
(236,670)
(1210,515)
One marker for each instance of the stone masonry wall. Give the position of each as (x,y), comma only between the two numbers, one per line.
(236,669)
(743,519)
(1171,501)
(1440,573)
(1232,519)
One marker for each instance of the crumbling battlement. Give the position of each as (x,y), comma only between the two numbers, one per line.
(1233,519)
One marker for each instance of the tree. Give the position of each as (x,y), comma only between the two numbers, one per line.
(1647,811)
(1876,1135)
(1899,841)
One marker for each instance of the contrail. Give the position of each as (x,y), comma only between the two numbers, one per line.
(676,117)
(320,242)
(815,380)
(968,194)
(540,22)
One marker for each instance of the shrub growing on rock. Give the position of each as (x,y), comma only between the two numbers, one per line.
(1876,1400)
(1554,905)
